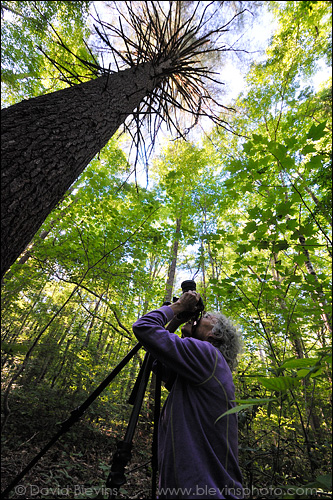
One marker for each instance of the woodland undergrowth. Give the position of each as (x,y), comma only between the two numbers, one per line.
(78,464)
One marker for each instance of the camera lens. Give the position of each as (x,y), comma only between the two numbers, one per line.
(188,285)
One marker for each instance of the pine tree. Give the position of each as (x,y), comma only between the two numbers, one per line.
(48,141)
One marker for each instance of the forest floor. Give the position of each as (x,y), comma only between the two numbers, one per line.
(78,464)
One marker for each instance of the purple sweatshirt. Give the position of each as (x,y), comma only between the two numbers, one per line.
(197,457)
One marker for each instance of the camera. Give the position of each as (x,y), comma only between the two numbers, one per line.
(186,286)
(187,315)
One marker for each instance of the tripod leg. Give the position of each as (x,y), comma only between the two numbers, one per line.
(76,414)
(157,408)
(133,395)
(123,455)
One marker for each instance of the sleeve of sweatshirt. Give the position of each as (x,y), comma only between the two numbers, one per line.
(191,358)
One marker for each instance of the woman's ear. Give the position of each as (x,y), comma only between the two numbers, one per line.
(211,337)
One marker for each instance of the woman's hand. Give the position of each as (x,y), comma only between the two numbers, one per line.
(188,302)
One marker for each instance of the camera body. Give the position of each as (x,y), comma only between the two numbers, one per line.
(190,315)
(188,285)
(187,315)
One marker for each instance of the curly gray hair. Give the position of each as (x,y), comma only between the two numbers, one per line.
(227,338)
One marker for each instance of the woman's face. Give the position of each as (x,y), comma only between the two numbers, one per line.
(200,329)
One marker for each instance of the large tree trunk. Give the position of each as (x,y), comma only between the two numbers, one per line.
(47,142)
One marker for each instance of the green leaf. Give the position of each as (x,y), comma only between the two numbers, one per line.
(235,166)
(328,359)
(295,279)
(310,278)
(325,481)
(242,249)
(302,373)
(300,259)
(309,148)
(314,163)
(279,384)
(283,208)
(297,363)
(281,245)
(288,162)
(264,244)
(291,141)
(246,188)
(250,227)
(261,230)
(235,409)
(247,146)
(309,372)
(245,403)
(307,230)
(317,131)
(229,182)
(14,348)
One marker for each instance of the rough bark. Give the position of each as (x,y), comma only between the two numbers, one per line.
(29,251)
(47,142)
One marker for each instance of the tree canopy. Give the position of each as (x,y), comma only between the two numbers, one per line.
(244,211)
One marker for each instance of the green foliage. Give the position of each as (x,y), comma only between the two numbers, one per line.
(25,27)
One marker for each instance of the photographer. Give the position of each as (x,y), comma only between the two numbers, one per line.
(197,454)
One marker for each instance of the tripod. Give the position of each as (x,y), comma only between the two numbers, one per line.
(122,456)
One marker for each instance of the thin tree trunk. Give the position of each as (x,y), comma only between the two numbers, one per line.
(203,272)
(315,199)
(92,322)
(27,357)
(61,365)
(292,331)
(318,289)
(154,268)
(48,141)
(173,264)
(100,342)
